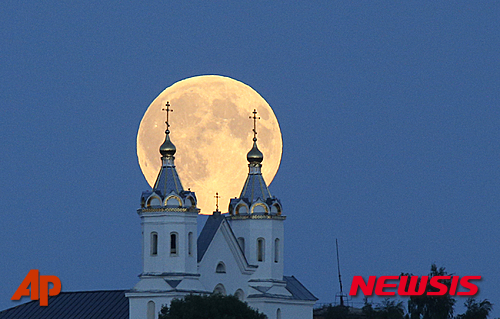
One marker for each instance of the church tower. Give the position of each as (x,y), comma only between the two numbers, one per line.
(257,220)
(169,231)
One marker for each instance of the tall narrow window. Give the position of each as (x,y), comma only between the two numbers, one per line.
(278,313)
(154,244)
(151,310)
(260,249)
(241,241)
(276,250)
(173,243)
(190,244)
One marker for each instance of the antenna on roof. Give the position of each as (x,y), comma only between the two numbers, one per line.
(341,294)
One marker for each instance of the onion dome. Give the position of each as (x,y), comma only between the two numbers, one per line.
(167,148)
(255,156)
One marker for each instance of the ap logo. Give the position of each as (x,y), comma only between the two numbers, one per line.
(37,282)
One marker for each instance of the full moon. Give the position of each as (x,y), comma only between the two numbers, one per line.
(211,128)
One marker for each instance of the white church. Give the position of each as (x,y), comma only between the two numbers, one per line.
(240,253)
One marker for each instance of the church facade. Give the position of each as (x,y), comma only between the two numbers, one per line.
(239,253)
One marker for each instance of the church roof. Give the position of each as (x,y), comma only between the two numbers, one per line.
(104,304)
(297,289)
(294,287)
(207,234)
(255,191)
(255,187)
(168,180)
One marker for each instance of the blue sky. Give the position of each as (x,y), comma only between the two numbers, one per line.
(389,113)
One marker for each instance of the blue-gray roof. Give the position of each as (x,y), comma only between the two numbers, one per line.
(208,233)
(254,190)
(167,181)
(105,304)
(255,187)
(294,287)
(297,289)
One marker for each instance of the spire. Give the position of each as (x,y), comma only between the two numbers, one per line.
(168,183)
(255,190)
(167,149)
(217,211)
(255,156)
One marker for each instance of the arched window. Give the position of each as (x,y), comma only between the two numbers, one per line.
(221,268)
(260,249)
(276,210)
(173,244)
(151,310)
(239,294)
(154,201)
(278,313)
(241,209)
(241,241)
(173,201)
(190,244)
(190,203)
(276,250)
(154,244)
(259,208)
(219,289)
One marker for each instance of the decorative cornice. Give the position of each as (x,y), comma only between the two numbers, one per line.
(159,293)
(163,209)
(255,216)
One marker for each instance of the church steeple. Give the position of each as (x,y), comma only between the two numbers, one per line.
(255,197)
(257,221)
(169,227)
(168,184)
(255,156)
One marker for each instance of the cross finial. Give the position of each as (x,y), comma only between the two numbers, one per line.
(168,110)
(255,118)
(216,201)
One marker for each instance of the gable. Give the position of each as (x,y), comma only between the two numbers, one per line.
(217,225)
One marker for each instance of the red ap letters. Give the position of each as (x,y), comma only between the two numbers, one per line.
(36,281)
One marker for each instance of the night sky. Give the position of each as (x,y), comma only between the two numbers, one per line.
(389,113)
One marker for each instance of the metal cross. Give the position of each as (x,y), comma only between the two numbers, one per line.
(217,202)
(168,110)
(255,118)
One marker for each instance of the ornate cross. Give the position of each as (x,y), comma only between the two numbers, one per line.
(255,118)
(168,110)
(217,202)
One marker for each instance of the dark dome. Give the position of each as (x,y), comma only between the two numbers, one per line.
(167,148)
(255,156)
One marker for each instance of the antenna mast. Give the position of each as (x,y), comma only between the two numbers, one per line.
(340,278)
